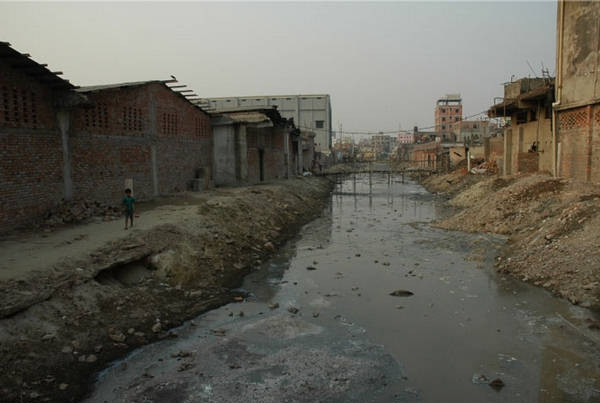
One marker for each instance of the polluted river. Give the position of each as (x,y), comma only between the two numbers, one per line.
(371,303)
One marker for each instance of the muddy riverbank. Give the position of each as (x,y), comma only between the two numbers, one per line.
(552,224)
(68,318)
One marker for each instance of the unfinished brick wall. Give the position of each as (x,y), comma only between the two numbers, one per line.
(113,141)
(30,149)
(528,162)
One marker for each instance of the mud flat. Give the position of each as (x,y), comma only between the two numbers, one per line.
(552,224)
(62,320)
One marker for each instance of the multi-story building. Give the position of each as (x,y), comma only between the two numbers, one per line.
(472,130)
(310,112)
(448,110)
(406,138)
(381,143)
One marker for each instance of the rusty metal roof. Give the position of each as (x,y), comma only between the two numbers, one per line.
(39,72)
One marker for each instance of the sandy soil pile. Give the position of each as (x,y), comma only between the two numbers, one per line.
(552,225)
(59,327)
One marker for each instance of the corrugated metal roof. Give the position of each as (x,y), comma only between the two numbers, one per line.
(93,88)
(38,72)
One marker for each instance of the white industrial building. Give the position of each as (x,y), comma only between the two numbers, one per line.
(310,112)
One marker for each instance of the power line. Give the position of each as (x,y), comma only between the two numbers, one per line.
(388,131)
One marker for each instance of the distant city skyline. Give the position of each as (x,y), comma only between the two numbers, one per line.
(383,64)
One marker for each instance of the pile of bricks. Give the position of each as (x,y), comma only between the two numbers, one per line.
(76,211)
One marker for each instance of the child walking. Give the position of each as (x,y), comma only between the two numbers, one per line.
(128,202)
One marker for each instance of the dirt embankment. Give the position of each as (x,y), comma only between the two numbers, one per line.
(552,224)
(59,327)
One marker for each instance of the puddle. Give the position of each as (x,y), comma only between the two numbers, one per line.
(351,341)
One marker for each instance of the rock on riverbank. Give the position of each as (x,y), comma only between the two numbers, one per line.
(59,327)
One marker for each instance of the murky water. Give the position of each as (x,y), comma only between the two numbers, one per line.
(351,341)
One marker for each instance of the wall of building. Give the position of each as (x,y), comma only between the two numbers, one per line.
(578,91)
(225,161)
(520,140)
(268,142)
(31,164)
(579,143)
(145,133)
(578,58)
(424,155)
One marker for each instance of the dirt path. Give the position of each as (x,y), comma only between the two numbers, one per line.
(78,298)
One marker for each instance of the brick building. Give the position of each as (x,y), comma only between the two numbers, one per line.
(448,110)
(33,137)
(61,142)
(142,131)
(577,107)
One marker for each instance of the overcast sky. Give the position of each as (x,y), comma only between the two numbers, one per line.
(384,64)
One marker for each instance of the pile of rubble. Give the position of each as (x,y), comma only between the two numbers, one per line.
(76,211)
(486,167)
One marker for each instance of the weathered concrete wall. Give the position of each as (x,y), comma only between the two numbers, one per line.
(578,58)
(224,155)
(578,91)
(31,163)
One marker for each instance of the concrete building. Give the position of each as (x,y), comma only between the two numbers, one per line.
(577,106)
(310,112)
(473,131)
(253,145)
(381,143)
(528,143)
(406,138)
(448,110)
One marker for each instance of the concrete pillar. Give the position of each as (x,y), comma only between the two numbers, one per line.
(154,170)
(63,117)
(242,153)
(153,134)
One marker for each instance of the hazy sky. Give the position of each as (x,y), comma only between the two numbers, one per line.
(384,64)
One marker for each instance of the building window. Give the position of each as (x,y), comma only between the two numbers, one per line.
(456,110)
(319,124)
(443,119)
(443,110)
(443,127)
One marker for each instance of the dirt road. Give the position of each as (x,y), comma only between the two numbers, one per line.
(77,298)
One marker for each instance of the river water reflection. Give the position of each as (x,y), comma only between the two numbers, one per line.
(464,323)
